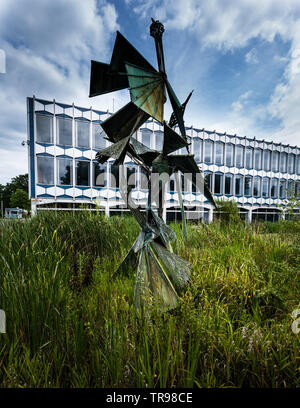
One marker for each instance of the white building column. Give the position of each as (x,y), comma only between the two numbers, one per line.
(249,216)
(164,214)
(33,207)
(210,215)
(107,208)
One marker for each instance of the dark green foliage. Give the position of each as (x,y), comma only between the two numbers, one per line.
(6,192)
(227,211)
(20,199)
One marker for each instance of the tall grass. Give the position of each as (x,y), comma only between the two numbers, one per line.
(69,324)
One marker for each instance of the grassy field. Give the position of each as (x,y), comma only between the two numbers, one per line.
(70,325)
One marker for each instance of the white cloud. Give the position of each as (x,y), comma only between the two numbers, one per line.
(251,56)
(230,25)
(48,46)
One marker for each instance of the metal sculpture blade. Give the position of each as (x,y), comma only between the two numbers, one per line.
(147,90)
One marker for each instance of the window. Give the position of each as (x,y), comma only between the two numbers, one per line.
(172,184)
(228,183)
(297,189)
(44,131)
(282,189)
(239,159)
(208,179)
(219,153)
(267,157)
(64,131)
(291,188)
(64,171)
(257,159)
(146,137)
(274,188)
(83,133)
(248,186)
(265,187)
(45,170)
(82,173)
(143,179)
(183,181)
(229,155)
(238,185)
(197,149)
(283,162)
(131,175)
(198,181)
(275,161)
(218,183)
(291,163)
(249,158)
(298,164)
(208,151)
(114,176)
(158,141)
(99,175)
(98,136)
(256,186)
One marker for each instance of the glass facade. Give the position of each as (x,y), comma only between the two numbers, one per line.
(99,174)
(256,186)
(274,188)
(131,175)
(265,187)
(114,176)
(208,151)
(98,135)
(275,161)
(146,137)
(267,160)
(282,189)
(249,158)
(239,156)
(238,185)
(45,170)
(83,133)
(64,171)
(228,184)
(248,186)
(219,153)
(257,159)
(82,172)
(208,179)
(283,162)
(44,128)
(290,188)
(64,131)
(246,159)
(218,183)
(229,155)
(291,163)
(197,149)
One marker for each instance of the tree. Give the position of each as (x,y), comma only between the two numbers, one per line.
(20,199)
(18,182)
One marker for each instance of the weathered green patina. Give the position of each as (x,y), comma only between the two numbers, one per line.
(161,275)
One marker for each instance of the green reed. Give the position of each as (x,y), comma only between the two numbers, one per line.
(69,324)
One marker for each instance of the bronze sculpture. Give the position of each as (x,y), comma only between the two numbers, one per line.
(161,274)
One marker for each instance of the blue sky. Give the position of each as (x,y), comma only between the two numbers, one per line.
(241,57)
